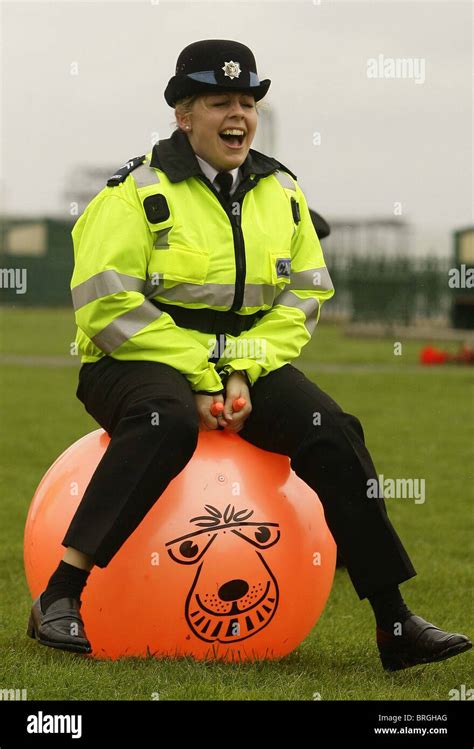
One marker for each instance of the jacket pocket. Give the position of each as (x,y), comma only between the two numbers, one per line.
(180,264)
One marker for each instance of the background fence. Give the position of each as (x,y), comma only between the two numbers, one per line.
(371,286)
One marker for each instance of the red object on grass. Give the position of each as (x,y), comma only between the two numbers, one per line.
(432,355)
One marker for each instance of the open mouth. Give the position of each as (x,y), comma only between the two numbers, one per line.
(233,137)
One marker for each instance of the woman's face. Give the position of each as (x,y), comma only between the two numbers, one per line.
(211,115)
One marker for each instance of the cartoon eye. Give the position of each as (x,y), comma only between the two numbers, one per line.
(190,550)
(262,535)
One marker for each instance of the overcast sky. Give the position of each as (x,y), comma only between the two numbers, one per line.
(383,140)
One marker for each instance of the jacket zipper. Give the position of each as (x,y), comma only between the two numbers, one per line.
(240,259)
(238,237)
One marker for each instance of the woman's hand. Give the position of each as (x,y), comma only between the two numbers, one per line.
(236,387)
(207,421)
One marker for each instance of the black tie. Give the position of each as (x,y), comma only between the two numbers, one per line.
(224,180)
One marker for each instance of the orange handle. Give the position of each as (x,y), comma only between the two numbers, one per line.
(237,405)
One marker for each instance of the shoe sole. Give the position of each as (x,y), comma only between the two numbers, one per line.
(31,632)
(397,662)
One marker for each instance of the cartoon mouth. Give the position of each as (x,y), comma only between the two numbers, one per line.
(231,624)
(233,627)
(235,609)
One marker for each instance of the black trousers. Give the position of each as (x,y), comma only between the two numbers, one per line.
(142,459)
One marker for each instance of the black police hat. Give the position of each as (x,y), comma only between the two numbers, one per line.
(215,65)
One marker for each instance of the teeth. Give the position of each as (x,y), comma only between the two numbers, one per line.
(234,131)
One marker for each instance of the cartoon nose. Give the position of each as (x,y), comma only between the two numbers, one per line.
(233,590)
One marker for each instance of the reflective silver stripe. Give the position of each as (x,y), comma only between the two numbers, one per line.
(217,295)
(102,284)
(145,175)
(315,278)
(255,295)
(308,306)
(161,241)
(285,180)
(124,327)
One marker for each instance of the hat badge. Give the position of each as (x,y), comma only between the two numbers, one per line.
(231,69)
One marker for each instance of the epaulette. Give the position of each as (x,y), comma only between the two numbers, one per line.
(122,173)
(285,169)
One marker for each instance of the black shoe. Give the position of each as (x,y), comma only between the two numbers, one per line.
(61,626)
(420,642)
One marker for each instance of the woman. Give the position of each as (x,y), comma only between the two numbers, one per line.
(198,279)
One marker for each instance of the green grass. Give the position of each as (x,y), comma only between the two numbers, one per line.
(417,424)
(19,335)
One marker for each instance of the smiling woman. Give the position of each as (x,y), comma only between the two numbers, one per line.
(202,243)
(220,127)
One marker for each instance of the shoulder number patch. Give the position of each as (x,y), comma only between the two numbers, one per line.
(283,266)
(122,173)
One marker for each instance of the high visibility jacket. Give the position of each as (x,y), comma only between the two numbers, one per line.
(161,234)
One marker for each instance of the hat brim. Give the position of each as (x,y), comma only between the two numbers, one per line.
(181,86)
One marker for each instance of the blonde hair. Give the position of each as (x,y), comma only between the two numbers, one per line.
(185,106)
